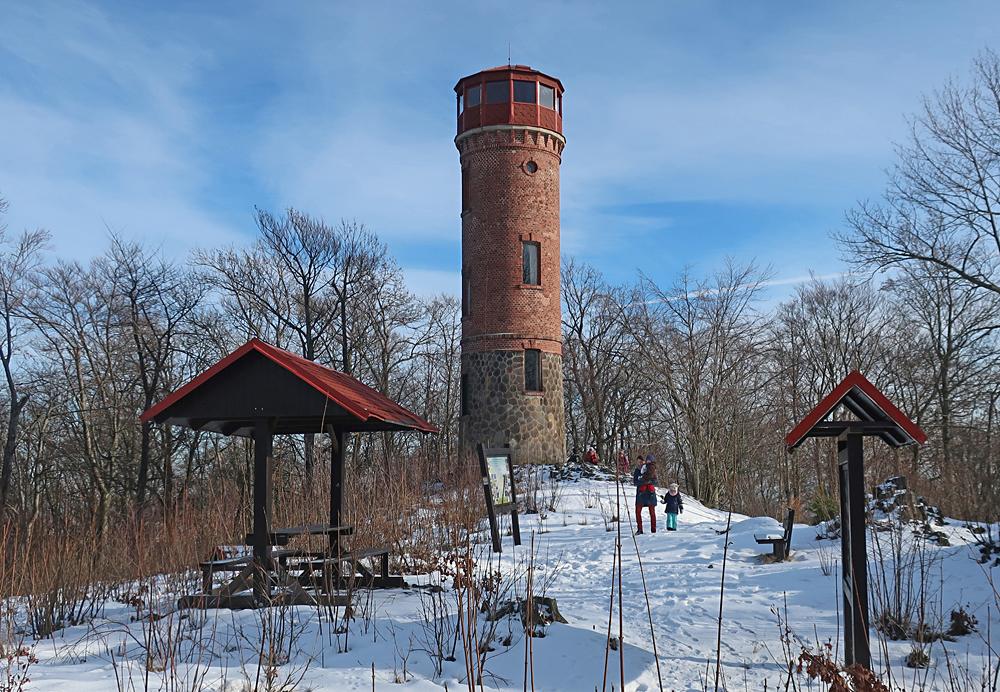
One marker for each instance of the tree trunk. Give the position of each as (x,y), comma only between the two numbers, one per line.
(142,479)
(309,441)
(10,446)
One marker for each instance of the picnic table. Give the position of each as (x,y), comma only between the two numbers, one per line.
(296,576)
(257,392)
(282,536)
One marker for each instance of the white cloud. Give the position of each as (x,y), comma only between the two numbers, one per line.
(101,137)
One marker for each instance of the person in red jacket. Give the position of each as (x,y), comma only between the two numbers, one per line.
(623,464)
(644,477)
(591,456)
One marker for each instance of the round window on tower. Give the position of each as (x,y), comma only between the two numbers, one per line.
(530,167)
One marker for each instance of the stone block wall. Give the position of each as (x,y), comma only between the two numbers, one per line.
(500,411)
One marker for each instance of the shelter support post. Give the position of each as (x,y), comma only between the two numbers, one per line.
(854,551)
(337,464)
(263,441)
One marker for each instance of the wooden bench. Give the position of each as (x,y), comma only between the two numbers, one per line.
(282,536)
(238,563)
(781,544)
(368,553)
(226,564)
(330,568)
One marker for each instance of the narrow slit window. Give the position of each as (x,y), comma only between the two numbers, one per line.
(524,91)
(497,92)
(466,297)
(463,395)
(532,370)
(530,254)
(465,189)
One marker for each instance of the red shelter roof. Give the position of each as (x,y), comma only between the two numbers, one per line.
(864,400)
(227,396)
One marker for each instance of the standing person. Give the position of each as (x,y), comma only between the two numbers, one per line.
(644,478)
(623,465)
(675,506)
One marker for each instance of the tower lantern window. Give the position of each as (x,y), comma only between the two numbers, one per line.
(472,96)
(547,96)
(525,92)
(497,92)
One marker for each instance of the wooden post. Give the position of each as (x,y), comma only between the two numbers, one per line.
(338,460)
(490,509)
(263,441)
(515,525)
(854,550)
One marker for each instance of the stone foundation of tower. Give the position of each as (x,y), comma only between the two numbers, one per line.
(500,412)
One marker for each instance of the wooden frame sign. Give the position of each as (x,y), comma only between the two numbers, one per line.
(497,467)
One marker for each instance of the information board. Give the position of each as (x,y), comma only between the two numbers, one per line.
(498,469)
(497,466)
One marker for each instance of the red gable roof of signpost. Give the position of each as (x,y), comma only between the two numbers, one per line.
(359,400)
(866,402)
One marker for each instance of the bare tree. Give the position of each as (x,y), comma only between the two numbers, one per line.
(282,287)
(158,298)
(703,346)
(828,329)
(362,255)
(942,207)
(598,357)
(396,334)
(75,312)
(299,285)
(442,368)
(957,321)
(19,261)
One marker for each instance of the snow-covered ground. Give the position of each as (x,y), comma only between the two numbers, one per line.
(574,552)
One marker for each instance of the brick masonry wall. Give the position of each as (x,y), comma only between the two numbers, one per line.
(505,205)
(511,194)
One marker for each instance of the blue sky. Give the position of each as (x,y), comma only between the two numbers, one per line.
(696,130)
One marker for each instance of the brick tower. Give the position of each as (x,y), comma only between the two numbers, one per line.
(510,144)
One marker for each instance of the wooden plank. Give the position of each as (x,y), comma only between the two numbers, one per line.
(337,464)
(225,564)
(214,601)
(367,553)
(262,503)
(388,582)
(247,601)
(241,582)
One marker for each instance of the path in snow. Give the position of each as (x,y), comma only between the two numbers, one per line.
(682,571)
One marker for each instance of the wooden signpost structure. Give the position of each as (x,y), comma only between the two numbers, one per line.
(874,415)
(497,466)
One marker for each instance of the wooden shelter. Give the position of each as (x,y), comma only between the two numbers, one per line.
(874,415)
(259,391)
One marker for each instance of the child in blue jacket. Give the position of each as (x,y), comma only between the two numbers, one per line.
(675,506)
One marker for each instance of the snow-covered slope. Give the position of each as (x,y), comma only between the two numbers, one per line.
(574,551)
